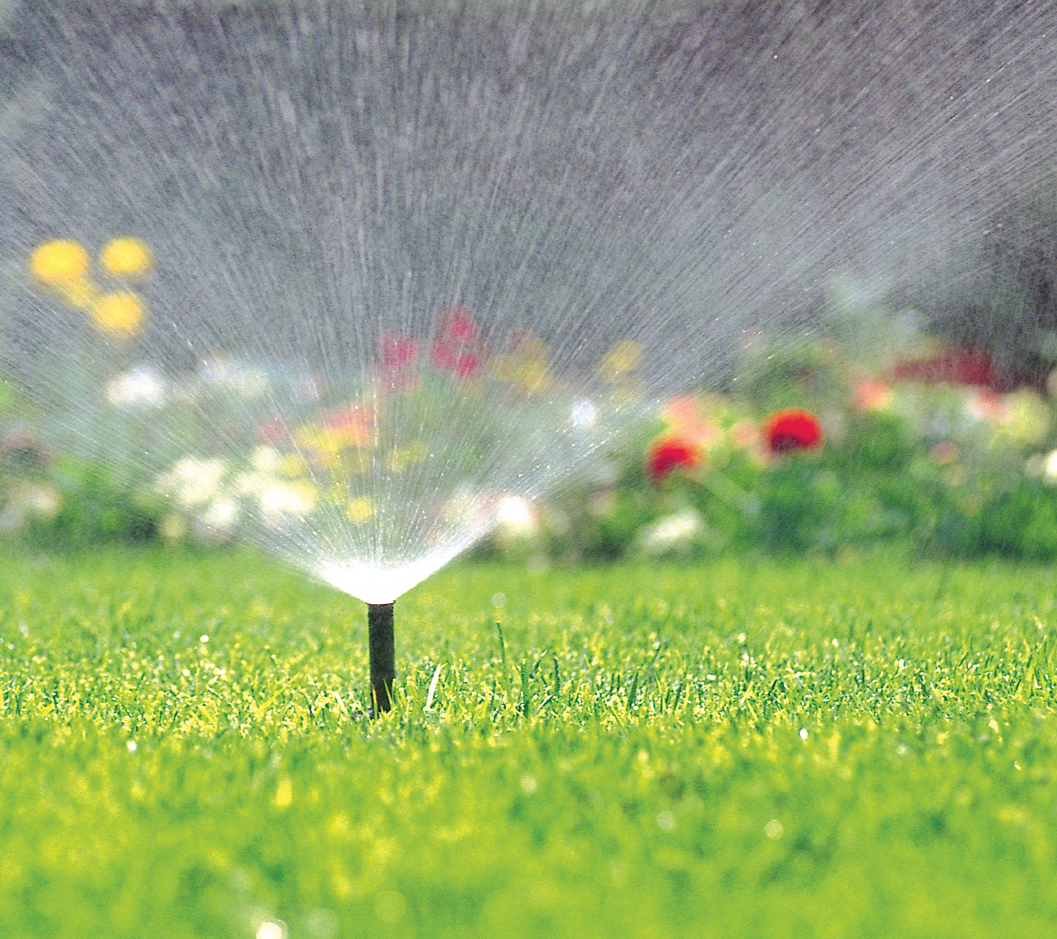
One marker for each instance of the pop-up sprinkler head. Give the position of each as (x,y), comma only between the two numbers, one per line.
(382,646)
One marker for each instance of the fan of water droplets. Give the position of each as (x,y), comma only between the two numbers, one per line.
(353,275)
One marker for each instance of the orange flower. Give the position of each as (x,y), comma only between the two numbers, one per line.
(873,395)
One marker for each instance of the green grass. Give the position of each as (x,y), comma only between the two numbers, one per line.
(753,749)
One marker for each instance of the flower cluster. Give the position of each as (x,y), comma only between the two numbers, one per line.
(817,449)
(64,267)
(521,362)
(211,497)
(684,444)
(940,451)
(335,459)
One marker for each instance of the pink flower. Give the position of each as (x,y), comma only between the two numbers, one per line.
(460,364)
(350,424)
(683,414)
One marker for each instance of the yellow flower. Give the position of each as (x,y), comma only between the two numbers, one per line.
(417,451)
(535,376)
(399,458)
(59,262)
(120,312)
(126,257)
(293,464)
(623,357)
(359,510)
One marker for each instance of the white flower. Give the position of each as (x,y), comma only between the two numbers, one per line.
(266,459)
(285,501)
(250,484)
(672,533)
(584,414)
(233,375)
(1049,467)
(193,481)
(141,387)
(221,514)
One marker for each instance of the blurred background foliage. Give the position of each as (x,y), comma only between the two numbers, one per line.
(935,418)
(871,429)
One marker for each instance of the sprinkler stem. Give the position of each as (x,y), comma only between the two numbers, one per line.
(382,647)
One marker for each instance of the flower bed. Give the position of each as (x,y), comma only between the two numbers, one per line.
(815,447)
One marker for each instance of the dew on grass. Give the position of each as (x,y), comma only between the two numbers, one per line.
(390,906)
(321,924)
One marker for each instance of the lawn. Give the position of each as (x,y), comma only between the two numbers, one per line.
(750,748)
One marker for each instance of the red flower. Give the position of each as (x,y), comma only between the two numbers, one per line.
(792,430)
(396,350)
(459,325)
(398,354)
(447,356)
(453,350)
(670,453)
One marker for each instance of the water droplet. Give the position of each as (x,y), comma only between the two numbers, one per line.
(584,414)
(321,923)
(389,906)
(284,794)
(774,829)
